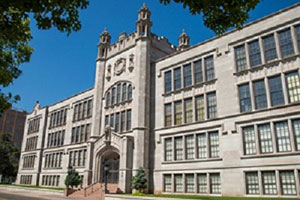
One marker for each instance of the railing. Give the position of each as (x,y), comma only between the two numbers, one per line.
(91,189)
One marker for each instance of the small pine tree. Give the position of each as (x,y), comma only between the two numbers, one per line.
(139,181)
(72,179)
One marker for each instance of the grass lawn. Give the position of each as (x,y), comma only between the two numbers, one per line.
(32,186)
(209,197)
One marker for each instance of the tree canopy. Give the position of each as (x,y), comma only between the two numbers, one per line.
(73,179)
(139,181)
(15,33)
(219,15)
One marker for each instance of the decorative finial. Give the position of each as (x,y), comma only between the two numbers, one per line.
(144,5)
(183,31)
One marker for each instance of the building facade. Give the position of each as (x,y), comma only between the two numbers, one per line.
(221,117)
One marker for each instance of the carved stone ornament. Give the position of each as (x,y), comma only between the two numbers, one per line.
(120,66)
(107,134)
(108,74)
(131,62)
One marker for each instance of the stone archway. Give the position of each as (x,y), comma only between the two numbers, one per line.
(111,159)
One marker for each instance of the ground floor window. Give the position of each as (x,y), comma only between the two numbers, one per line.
(288,183)
(178,183)
(167,183)
(215,183)
(26,179)
(189,179)
(50,180)
(252,183)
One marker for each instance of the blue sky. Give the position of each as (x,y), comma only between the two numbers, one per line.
(62,66)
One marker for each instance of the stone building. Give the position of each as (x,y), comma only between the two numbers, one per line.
(221,117)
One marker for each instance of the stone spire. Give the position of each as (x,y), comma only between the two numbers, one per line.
(104,43)
(184,40)
(143,23)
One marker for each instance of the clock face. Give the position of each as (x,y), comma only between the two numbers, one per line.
(120,66)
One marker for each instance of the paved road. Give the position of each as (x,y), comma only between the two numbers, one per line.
(10,196)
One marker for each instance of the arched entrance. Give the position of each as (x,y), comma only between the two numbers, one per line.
(111,161)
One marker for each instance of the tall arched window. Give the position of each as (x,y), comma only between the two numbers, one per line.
(113,96)
(129,92)
(119,93)
(108,99)
(124,91)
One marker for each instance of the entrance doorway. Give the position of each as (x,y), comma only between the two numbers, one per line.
(110,161)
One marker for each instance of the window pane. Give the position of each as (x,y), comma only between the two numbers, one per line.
(178,112)
(201,144)
(269,183)
(293,85)
(178,183)
(211,105)
(123,117)
(168,183)
(187,75)
(254,53)
(282,136)
(168,114)
(249,140)
(200,109)
(296,128)
(245,99)
(265,138)
(202,183)
(215,183)
(214,144)
(209,68)
(198,73)
(188,107)
(117,123)
(112,123)
(269,48)
(128,124)
(168,81)
(118,93)
(288,184)
(124,92)
(276,91)
(177,78)
(129,92)
(189,182)
(178,148)
(297,33)
(252,183)
(260,94)
(168,149)
(113,96)
(108,99)
(286,43)
(189,147)
(240,58)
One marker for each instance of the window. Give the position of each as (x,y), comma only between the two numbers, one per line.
(282,136)
(189,182)
(201,145)
(269,183)
(117,123)
(260,94)
(202,183)
(293,86)
(254,53)
(112,121)
(245,98)
(106,120)
(124,91)
(200,108)
(123,125)
(188,108)
(129,92)
(209,68)
(177,78)
(269,48)
(297,33)
(285,43)
(128,124)
(168,149)
(189,146)
(240,58)
(168,114)
(187,75)
(288,183)
(252,183)
(178,183)
(118,93)
(215,183)
(249,140)
(276,91)
(296,129)
(167,183)
(214,144)
(178,112)
(265,138)
(178,148)
(168,81)
(211,105)
(198,73)
(113,96)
